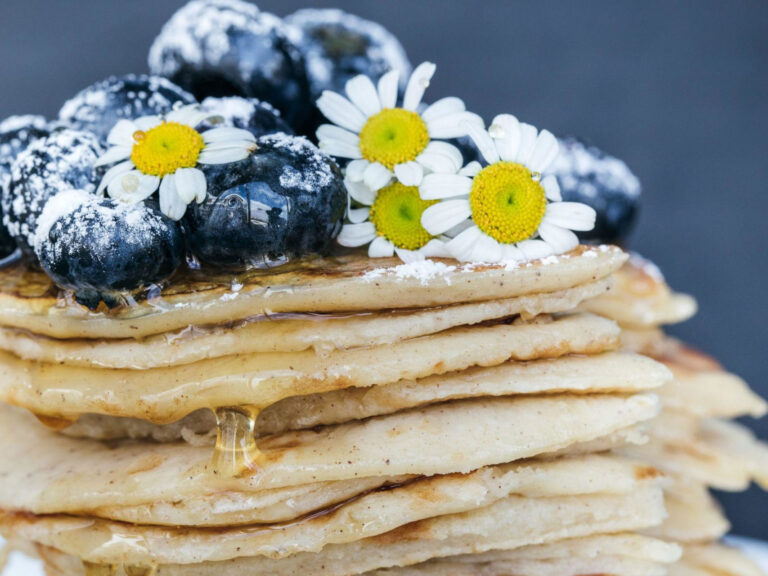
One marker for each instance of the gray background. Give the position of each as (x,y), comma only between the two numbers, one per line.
(677,88)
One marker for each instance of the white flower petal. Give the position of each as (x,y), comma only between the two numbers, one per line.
(454,125)
(122,134)
(224,155)
(354,235)
(132,187)
(441,157)
(362,93)
(458,229)
(486,249)
(358,215)
(146,123)
(340,149)
(341,111)
(435,249)
(112,155)
(462,246)
(472,169)
(227,134)
(328,133)
(360,193)
(388,89)
(376,176)
(484,143)
(114,172)
(190,115)
(171,204)
(544,152)
(559,239)
(551,188)
(443,216)
(535,249)
(355,170)
(512,252)
(408,256)
(571,215)
(448,105)
(190,184)
(381,248)
(505,130)
(226,145)
(417,84)
(528,136)
(439,186)
(409,173)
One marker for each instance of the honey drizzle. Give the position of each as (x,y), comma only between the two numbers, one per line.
(53,422)
(236,453)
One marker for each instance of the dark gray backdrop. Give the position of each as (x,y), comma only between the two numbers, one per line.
(677,88)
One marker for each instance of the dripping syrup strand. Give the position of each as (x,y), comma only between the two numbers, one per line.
(236,452)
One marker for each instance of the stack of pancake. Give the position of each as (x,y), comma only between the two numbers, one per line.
(336,417)
(692,441)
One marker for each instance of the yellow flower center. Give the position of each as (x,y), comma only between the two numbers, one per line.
(507,203)
(393,136)
(396,214)
(166,148)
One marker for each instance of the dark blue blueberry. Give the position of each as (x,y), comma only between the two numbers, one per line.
(61,161)
(230,48)
(102,249)
(98,107)
(16,134)
(249,114)
(285,200)
(338,46)
(589,175)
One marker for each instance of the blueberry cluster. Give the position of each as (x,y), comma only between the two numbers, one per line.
(250,70)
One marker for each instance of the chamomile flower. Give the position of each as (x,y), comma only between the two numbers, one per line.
(389,223)
(386,141)
(509,209)
(154,152)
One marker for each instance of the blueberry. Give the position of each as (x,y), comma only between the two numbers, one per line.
(588,175)
(285,200)
(338,46)
(230,48)
(16,134)
(249,114)
(101,248)
(98,107)
(61,161)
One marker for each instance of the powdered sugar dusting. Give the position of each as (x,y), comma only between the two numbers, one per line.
(318,174)
(200,32)
(62,161)
(422,270)
(13,123)
(588,170)
(382,51)
(61,205)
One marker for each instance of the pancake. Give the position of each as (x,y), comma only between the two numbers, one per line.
(512,522)
(718,453)
(693,514)
(601,373)
(29,301)
(641,298)
(714,560)
(166,395)
(44,472)
(625,554)
(322,333)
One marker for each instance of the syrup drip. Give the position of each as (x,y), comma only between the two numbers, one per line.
(99,569)
(236,451)
(54,423)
